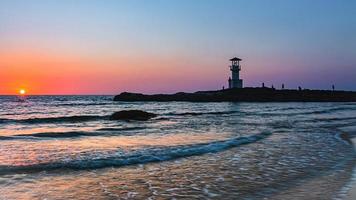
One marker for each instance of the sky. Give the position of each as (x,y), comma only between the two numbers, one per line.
(167,46)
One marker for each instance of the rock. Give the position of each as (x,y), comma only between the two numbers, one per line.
(132,115)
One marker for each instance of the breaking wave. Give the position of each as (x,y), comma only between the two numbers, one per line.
(139,156)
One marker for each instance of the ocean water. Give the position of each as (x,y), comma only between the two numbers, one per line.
(65,147)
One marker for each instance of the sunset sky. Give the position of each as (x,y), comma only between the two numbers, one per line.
(166,46)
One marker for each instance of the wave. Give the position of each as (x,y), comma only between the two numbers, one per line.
(331,119)
(315,112)
(121,129)
(303,111)
(203,113)
(23,113)
(83,104)
(72,134)
(17,137)
(7,138)
(342,108)
(73,119)
(69,134)
(326,111)
(281,124)
(79,118)
(139,156)
(3,120)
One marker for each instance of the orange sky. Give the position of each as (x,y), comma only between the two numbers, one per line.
(40,72)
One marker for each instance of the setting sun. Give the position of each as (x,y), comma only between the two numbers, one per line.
(22,91)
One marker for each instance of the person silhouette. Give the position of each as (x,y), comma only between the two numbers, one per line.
(333,86)
(282,86)
(299,88)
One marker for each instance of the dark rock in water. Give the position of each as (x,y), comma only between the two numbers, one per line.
(246,95)
(132,115)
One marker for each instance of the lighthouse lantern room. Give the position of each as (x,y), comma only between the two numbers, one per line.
(234,80)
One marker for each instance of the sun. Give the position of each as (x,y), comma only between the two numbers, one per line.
(22,92)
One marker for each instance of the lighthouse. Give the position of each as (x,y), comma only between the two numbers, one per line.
(234,80)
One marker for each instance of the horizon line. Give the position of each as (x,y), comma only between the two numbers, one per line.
(337,90)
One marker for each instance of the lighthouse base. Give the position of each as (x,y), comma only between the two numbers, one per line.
(236,83)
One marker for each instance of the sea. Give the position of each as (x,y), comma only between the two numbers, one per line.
(66,147)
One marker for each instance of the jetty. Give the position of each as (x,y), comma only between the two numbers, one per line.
(246,95)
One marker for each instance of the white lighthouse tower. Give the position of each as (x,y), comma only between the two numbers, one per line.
(234,80)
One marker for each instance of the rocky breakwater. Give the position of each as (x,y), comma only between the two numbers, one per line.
(246,95)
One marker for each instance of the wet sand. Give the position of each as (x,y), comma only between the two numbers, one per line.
(351,194)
